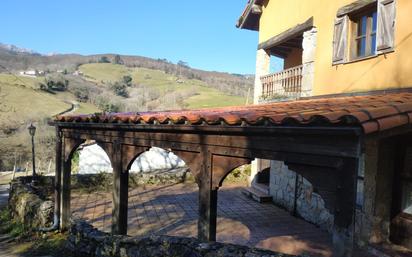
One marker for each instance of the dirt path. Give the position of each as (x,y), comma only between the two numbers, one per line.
(4,195)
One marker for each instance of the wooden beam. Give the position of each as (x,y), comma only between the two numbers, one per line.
(223,165)
(345,208)
(120,192)
(256,9)
(70,145)
(279,53)
(283,48)
(354,7)
(343,145)
(292,44)
(207,200)
(286,35)
(65,196)
(58,174)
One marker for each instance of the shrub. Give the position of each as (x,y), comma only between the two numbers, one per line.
(120,89)
(127,80)
(104,59)
(81,93)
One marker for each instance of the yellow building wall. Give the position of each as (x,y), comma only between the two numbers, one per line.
(392,70)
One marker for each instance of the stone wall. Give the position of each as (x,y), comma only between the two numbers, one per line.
(31,206)
(84,240)
(104,181)
(309,205)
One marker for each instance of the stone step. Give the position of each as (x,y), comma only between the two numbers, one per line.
(257,195)
(263,188)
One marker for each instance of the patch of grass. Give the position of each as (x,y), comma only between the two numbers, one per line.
(9,226)
(239,175)
(32,243)
(86,108)
(210,97)
(50,244)
(106,72)
(19,103)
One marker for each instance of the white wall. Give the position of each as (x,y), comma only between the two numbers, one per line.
(93,159)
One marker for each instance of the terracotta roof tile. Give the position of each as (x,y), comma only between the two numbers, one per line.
(371,112)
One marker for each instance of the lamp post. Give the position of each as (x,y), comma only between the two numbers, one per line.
(32,131)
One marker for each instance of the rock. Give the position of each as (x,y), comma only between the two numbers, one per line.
(28,205)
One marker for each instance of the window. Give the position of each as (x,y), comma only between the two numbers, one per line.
(364,28)
(364,34)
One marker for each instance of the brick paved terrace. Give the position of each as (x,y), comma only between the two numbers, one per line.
(173,210)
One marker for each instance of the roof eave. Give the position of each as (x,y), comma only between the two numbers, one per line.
(250,16)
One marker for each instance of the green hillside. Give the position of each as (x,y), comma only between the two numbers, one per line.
(21,102)
(199,94)
(93,88)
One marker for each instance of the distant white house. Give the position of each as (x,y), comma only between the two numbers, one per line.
(93,159)
(32,73)
(77,73)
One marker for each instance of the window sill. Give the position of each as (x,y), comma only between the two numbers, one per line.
(382,52)
(363,58)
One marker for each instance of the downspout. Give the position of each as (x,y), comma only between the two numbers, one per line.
(57,186)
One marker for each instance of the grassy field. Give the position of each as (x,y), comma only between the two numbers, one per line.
(21,102)
(204,96)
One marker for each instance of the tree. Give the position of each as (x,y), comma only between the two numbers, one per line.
(127,80)
(104,59)
(117,59)
(120,89)
(183,64)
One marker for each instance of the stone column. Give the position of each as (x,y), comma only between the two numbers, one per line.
(262,68)
(308,61)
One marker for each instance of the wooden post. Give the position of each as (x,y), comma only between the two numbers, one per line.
(65,187)
(58,174)
(120,192)
(14,167)
(345,209)
(207,201)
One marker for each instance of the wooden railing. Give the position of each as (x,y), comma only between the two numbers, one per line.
(285,84)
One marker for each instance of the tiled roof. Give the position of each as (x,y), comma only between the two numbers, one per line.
(371,112)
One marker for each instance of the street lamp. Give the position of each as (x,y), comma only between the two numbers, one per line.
(32,131)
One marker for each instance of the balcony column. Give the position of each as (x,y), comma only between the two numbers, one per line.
(308,61)
(262,68)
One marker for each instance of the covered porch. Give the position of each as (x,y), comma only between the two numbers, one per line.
(294,49)
(323,137)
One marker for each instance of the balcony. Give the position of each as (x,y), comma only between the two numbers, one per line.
(283,85)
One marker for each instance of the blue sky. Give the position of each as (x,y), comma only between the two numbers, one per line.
(200,32)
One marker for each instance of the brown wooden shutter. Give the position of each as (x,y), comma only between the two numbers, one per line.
(340,40)
(386,25)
